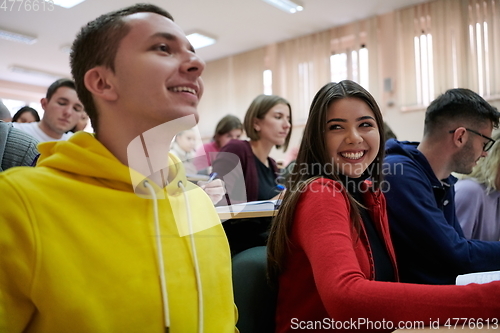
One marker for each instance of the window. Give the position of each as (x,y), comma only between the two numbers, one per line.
(478,36)
(338,66)
(13,105)
(305,95)
(424,69)
(268,82)
(351,65)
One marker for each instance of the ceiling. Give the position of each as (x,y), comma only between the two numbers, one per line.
(239,25)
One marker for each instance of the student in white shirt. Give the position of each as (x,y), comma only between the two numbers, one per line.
(62,111)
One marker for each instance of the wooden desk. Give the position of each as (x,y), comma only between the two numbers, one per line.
(245,215)
(246,210)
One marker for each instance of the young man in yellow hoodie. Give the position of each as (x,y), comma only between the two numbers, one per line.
(105,234)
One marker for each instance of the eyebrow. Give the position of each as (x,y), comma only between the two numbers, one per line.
(345,120)
(170,37)
(64,99)
(281,113)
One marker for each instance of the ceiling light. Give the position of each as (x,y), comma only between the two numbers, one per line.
(65,49)
(17,37)
(67,3)
(199,40)
(288,6)
(36,72)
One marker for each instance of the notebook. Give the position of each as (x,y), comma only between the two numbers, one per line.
(482,277)
(252,206)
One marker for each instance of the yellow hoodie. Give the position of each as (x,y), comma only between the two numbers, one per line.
(78,251)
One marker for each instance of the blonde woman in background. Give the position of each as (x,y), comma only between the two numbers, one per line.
(477,198)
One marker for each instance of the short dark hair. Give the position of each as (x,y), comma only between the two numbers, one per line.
(96,45)
(457,105)
(258,109)
(25,109)
(58,84)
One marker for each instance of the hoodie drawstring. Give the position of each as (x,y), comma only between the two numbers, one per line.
(159,257)
(159,250)
(195,260)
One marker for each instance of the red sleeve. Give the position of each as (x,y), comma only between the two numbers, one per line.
(322,229)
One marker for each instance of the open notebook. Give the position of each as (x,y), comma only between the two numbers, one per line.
(252,206)
(482,277)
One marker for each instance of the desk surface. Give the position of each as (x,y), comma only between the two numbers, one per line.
(246,215)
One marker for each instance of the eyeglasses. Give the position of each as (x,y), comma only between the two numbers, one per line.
(487,146)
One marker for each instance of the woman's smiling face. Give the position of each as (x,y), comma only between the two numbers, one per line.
(352,136)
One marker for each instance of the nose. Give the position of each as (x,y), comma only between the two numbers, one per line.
(193,64)
(286,123)
(353,137)
(67,111)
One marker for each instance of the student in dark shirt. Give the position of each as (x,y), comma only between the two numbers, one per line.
(248,171)
(427,236)
(268,123)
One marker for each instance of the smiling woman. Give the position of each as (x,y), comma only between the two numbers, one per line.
(329,249)
(352,136)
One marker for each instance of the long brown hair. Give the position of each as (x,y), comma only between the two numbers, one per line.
(313,161)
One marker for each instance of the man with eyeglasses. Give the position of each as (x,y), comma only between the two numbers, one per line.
(429,242)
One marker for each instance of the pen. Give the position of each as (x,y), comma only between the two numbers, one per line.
(212,177)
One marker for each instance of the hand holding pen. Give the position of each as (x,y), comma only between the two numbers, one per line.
(213,187)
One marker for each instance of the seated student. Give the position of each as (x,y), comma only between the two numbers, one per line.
(26,114)
(267,123)
(477,198)
(183,147)
(83,120)
(17,148)
(388,133)
(84,247)
(228,128)
(4,113)
(429,242)
(62,110)
(329,249)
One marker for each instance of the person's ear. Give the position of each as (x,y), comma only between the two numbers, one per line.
(44,101)
(460,137)
(98,81)
(256,124)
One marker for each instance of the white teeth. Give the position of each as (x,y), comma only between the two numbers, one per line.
(353,156)
(183,89)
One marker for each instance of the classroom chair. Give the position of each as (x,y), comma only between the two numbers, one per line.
(255,299)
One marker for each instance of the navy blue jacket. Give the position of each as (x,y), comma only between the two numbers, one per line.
(430,245)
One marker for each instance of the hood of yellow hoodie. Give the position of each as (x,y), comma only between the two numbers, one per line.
(85,156)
